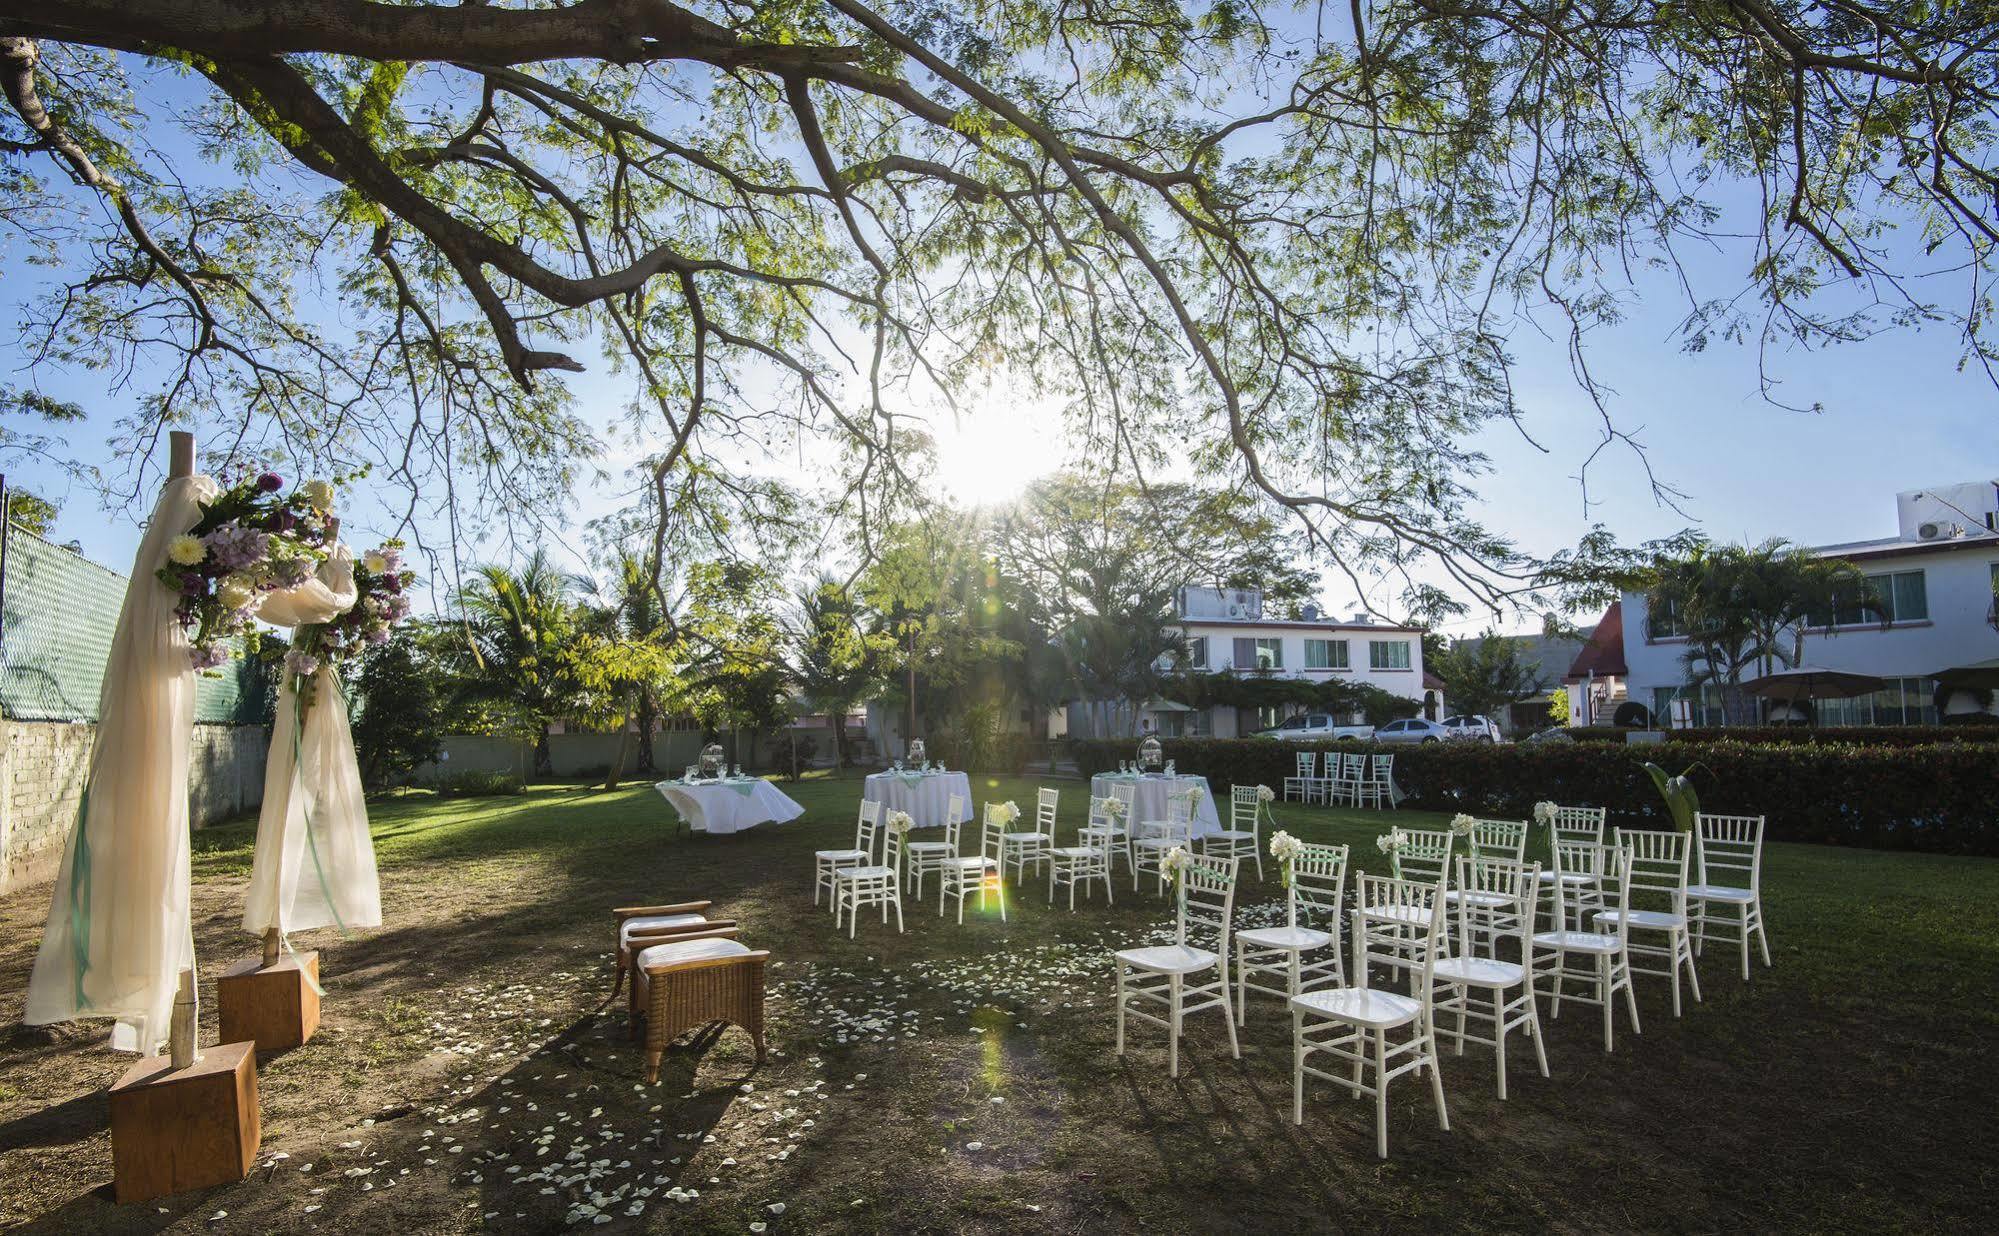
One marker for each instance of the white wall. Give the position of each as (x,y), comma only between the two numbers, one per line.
(1407,683)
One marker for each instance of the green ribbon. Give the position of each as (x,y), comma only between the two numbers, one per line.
(79,888)
(745,788)
(311,846)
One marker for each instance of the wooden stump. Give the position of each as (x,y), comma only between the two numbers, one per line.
(174,1130)
(274,1006)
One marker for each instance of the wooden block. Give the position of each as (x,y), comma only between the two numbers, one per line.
(273,1006)
(172,1131)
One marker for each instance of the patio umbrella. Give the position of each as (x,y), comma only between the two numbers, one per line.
(1978,675)
(119,932)
(1812,682)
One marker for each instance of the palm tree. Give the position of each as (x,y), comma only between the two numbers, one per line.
(631,626)
(520,625)
(835,659)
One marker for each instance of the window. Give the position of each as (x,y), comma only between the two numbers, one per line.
(1326,654)
(1903,596)
(1662,619)
(1388,654)
(1706,701)
(1197,652)
(1900,701)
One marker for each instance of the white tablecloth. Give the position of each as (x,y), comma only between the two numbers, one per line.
(925,796)
(1153,791)
(729,806)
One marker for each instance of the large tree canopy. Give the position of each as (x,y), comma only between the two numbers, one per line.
(1289,244)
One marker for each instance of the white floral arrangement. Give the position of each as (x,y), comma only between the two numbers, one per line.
(1392,842)
(900,823)
(1003,813)
(1175,862)
(1544,813)
(1284,847)
(1114,807)
(1193,794)
(1264,794)
(1463,825)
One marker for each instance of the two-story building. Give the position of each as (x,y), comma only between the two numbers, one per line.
(1226,632)
(1938,578)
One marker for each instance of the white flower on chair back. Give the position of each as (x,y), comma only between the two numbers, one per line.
(1463,824)
(1193,794)
(1114,807)
(1285,849)
(1174,864)
(1544,813)
(899,822)
(1265,794)
(1392,842)
(1004,813)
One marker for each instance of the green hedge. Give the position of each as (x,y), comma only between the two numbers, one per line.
(1002,754)
(1942,797)
(1793,735)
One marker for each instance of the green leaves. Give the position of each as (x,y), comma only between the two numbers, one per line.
(1682,803)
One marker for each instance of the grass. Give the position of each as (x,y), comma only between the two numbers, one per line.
(1848,1087)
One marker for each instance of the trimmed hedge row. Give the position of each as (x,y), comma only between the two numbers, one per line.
(1941,797)
(1805,735)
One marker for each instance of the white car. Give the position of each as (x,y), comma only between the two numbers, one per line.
(1474,728)
(1314,727)
(1410,730)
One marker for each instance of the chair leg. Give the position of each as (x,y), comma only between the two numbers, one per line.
(1693,971)
(652,1065)
(1631,997)
(1120,1007)
(1297,1067)
(1381,1094)
(1603,987)
(1173,1033)
(1499,1039)
(1673,952)
(1429,1033)
(1762,940)
(1228,1014)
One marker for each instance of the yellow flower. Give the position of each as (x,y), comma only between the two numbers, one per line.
(186,550)
(235,592)
(375,561)
(318,495)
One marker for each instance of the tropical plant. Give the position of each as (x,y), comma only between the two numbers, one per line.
(1482,676)
(622,659)
(398,707)
(520,627)
(1682,803)
(834,657)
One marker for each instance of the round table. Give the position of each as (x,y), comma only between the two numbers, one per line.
(729,806)
(1153,791)
(925,796)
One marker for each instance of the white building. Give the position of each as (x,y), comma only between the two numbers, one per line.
(1226,632)
(1938,577)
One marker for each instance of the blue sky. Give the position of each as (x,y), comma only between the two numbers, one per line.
(1897,415)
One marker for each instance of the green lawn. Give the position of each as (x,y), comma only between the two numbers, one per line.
(1848,1087)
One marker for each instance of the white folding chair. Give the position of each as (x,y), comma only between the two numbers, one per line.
(1089,859)
(1351,1024)
(826,862)
(856,888)
(1424,858)
(1728,855)
(1030,848)
(1375,786)
(1152,839)
(1243,837)
(1657,859)
(1584,824)
(1605,961)
(1295,786)
(961,874)
(931,855)
(1107,828)
(1159,976)
(1318,895)
(1344,790)
(1497,903)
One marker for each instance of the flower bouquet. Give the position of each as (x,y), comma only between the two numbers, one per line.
(1392,843)
(900,822)
(1114,809)
(251,540)
(1285,849)
(1174,863)
(381,600)
(1544,813)
(1004,813)
(1466,826)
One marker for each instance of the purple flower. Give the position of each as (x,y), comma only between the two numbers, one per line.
(193,585)
(270,482)
(232,546)
(207,656)
(304,664)
(291,572)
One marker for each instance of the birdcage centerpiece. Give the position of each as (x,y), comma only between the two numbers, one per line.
(1150,753)
(918,754)
(713,759)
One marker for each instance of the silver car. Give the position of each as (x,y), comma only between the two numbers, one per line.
(1411,730)
(1474,728)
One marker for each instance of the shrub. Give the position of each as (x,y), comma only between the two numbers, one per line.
(1934,797)
(1857,735)
(479,785)
(1003,754)
(1631,715)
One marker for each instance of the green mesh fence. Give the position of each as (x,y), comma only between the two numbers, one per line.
(57,614)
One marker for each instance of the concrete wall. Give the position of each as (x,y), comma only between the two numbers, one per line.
(42,769)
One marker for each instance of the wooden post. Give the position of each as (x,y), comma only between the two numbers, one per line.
(271,942)
(174,1129)
(274,1005)
(181,1029)
(180,453)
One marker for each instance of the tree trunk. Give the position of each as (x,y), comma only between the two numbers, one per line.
(839,721)
(544,767)
(624,741)
(648,716)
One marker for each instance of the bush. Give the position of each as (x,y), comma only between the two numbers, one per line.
(1632,715)
(1856,735)
(1001,754)
(1935,797)
(479,785)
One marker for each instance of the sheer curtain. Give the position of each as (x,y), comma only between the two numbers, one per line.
(118,933)
(315,863)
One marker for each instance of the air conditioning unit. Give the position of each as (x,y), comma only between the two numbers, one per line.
(1235,611)
(1929,531)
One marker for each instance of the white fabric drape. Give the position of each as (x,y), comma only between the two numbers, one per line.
(119,934)
(315,862)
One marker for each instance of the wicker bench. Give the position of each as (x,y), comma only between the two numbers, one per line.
(640,926)
(694,980)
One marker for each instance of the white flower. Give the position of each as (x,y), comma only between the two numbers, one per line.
(1284,847)
(235,592)
(317,494)
(1390,842)
(376,561)
(186,550)
(1003,813)
(1114,807)
(1193,793)
(1544,813)
(1463,824)
(1175,862)
(1265,794)
(899,822)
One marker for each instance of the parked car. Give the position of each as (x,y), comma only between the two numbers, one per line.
(1471,727)
(1411,729)
(1556,734)
(1314,727)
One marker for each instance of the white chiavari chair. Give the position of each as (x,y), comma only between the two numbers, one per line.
(1181,978)
(1313,905)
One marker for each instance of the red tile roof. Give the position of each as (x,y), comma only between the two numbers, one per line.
(1603,654)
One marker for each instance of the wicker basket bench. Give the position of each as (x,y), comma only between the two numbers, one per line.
(640,926)
(694,980)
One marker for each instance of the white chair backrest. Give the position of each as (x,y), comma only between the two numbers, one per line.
(1579,824)
(1729,849)
(992,834)
(869,825)
(1207,898)
(1384,765)
(1304,760)
(1383,909)
(1180,808)
(1127,790)
(953,814)
(1658,862)
(1044,810)
(1487,878)
(1353,766)
(1427,856)
(1609,865)
(1501,838)
(1319,879)
(1245,807)
(892,849)
(1100,816)
(952,828)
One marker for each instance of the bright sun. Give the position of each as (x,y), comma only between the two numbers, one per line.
(995,448)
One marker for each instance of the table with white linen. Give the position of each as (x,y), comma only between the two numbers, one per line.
(1153,791)
(925,796)
(729,806)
